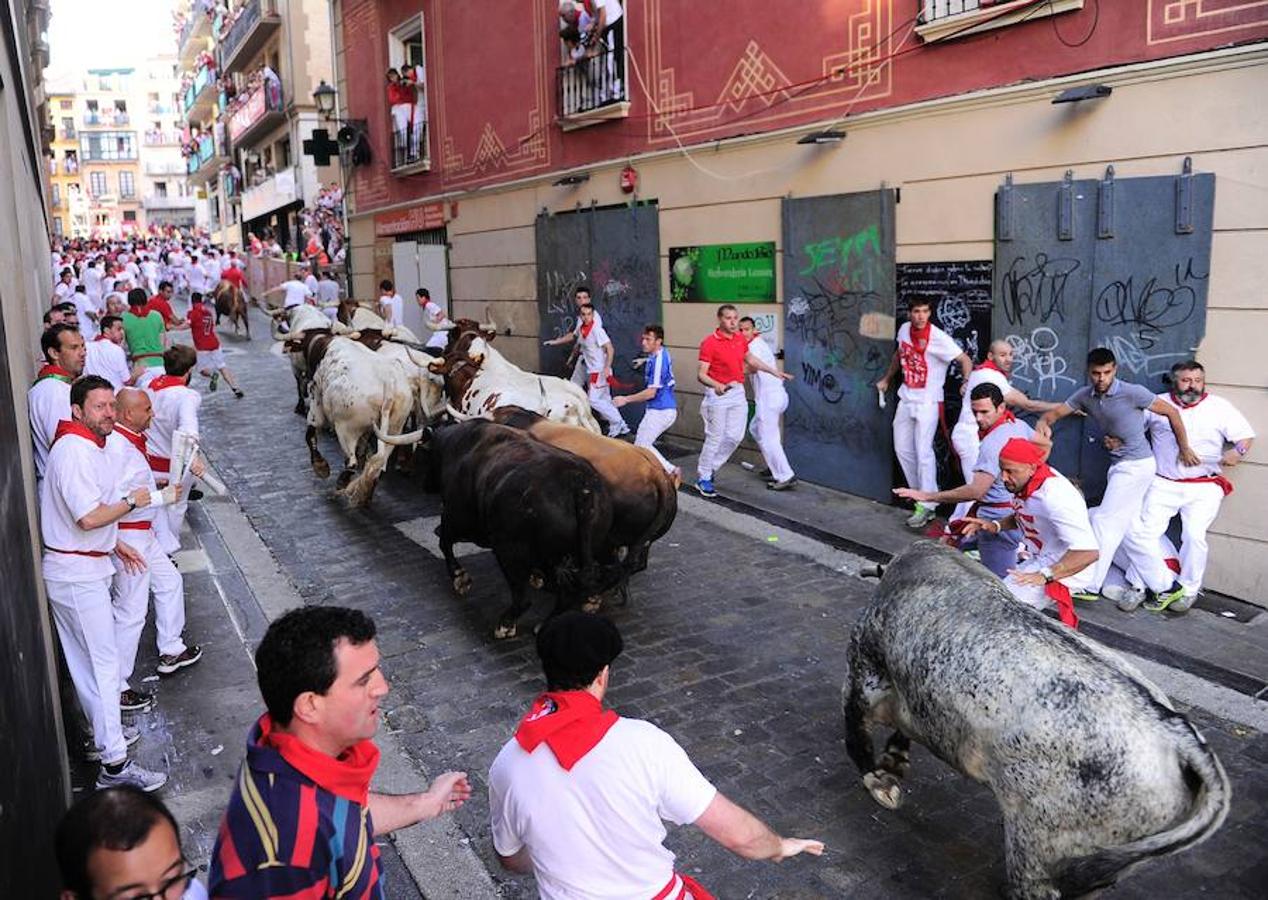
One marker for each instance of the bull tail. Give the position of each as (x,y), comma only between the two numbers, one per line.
(1204,774)
(585,579)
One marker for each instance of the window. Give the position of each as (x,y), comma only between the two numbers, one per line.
(160,189)
(57,195)
(65,104)
(408,137)
(72,162)
(57,225)
(283,153)
(127,184)
(948,19)
(92,117)
(121,106)
(129,215)
(109,146)
(97,184)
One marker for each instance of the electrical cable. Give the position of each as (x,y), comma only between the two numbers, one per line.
(1096,20)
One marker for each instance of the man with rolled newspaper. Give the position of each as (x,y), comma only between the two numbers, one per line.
(176,407)
(127,450)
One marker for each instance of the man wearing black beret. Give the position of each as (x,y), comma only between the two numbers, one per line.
(579,795)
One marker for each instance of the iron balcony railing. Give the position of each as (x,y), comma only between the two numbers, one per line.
(250,17)
(409,145)
(591,82)
(933,10)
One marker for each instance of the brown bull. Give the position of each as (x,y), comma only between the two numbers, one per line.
(644,495)
(231,302)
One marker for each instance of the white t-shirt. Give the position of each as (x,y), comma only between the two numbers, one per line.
(83,306)
(1209,424)
(107,359)
(175,408)
(328,291)
(64,291)
(197,278)
(131,471)
(79,479)
(47,402)
(981,376)
(766,387)
(296,293)
(592,350)
(596,831)
(310,282)
(1054,520)
(92,281)
(924,375)
(612,6)
(434,314)
(395,308)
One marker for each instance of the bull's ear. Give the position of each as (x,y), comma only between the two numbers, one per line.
(477,358)
(437,367)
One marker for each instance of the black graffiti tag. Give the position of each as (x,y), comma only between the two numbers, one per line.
(1151,307)
(1035,293)
(826,382)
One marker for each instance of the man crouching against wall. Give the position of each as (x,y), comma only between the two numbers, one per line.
(302,818)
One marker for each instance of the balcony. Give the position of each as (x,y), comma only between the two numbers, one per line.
(165,168)
(592,90)
(199,97)
(161,109)
(257,21)
(272,193)
(409,150)
(193,36)
(92,119)
(944,20)
(206,160)
(67,134)
(168,138)
(120,118)
(257,112)
(154,201)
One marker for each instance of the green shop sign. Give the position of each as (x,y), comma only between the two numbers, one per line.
(723,273)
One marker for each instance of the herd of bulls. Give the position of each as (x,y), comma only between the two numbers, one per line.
(518,459)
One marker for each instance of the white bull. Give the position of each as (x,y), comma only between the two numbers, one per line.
(301,320)
(355,391)
(484,380)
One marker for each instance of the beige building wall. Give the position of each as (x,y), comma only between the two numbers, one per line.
(948,157)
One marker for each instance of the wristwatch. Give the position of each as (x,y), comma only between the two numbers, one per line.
(1046,572)
(131,501)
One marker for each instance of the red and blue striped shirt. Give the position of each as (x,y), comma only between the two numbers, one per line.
(298,824)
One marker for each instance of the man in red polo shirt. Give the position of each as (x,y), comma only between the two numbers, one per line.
(723,356)
(162,304)
(211,359)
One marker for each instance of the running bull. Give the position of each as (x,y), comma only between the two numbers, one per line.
(542,511)
(644,496)
(1093,768)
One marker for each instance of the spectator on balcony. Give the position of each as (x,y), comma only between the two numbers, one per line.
(272,88)
(416,77)
(400,102)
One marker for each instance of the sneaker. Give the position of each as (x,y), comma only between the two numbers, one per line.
(1087,596)
(131,774)
(922,516)
(705,487)
(92,753)
(215,381)
(1130,599)
(195,494)
(1165,599)
(168,664)
(1184,604)
(135,701)
(238,394)
(767,474)
(973,554)
(782,485)
(619,432)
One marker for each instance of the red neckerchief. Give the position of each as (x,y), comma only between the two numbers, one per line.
(586,329)
(101,337)
(920,338)
(137,440)
(1005,417)
(1179,405)
(49,370)
(70,426)
(570,722)
(988,364)
(1042,474)
(167,381)
(347,775)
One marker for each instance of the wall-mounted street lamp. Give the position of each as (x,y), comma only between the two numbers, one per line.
(571,180)
(1086,92)
(830,136)
(324,97)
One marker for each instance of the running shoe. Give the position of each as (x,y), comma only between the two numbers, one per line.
(1087,596)
(782,485)
(922,516)
(215,382)
(1184,604)
(619,432)
(131,774)
(705,487)
(92,753)
(170,663)
(1128,599)
(238,393)
(1165,599)
(135,701)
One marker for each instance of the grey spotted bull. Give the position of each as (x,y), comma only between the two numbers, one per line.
(1093,769)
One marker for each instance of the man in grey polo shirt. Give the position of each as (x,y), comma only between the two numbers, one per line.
(1118,408)
(985,491)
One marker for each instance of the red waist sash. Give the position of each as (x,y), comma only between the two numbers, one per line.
(1225,485)
(95,554)
(136,526)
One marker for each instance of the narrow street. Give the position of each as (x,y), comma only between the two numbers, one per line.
(735,645)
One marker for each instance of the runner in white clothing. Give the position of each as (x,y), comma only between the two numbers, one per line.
(770,399)
(1193,491)
(175,408)
(105,355)
(48,400)
(581,297)
(328,295)
(80,502)
(598,353)
(923,353)
(579,796)
(296,292)
(435,319)
(391,304)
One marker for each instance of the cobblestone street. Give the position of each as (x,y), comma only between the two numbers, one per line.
(734,645)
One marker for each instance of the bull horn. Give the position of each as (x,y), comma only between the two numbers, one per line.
(457,416)
(399,440)
(280,311)
(489,324)
(409,352)
(277,335)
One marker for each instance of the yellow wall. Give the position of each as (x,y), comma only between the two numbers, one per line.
(948,157)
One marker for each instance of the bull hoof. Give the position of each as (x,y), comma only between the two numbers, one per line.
(345,478)
(536,580)
(884,788)
(321,468)
(462,586)
(593,604)
(896,762)
(504,632)
(299,410)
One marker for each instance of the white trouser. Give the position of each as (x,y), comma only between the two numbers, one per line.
(84,617)
(580,377)
(131,592)
(724,420)
(765,430)
(655,423)
(401,113)
(914,427)
(967,445)
(1034,595)
(600,396)
(1125,489)
(1198,504)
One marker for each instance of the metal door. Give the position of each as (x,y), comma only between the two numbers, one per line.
(405,277)
(838,339)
